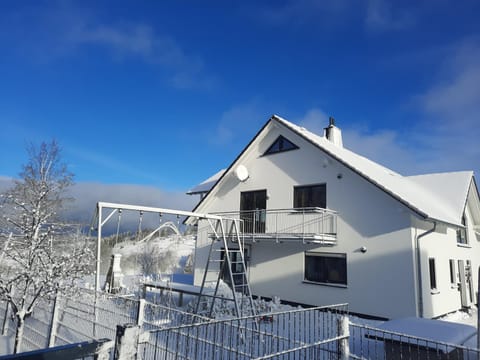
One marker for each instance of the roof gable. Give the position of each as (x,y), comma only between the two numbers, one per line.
(451,187)
(415,196)
(424,194)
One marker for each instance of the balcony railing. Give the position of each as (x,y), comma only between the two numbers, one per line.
(315,225)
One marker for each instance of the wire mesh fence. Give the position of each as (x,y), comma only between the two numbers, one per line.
(303,333)
(6,320)
(370,343)
(313,333)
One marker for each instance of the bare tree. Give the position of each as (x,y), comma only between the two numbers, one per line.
(42,255)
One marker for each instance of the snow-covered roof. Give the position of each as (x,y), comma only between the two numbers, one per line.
(452,187)
(436,196)
(435,330)
(207,184)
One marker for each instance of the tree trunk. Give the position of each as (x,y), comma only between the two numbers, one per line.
(19,334)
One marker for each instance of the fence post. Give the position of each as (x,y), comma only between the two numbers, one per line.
(343,330)
(126,342)
(53,323)
(140,312)
(5,318)
(478,313)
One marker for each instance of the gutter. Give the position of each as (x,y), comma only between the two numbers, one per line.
(419,268)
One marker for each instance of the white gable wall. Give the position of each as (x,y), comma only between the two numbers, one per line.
(380,281)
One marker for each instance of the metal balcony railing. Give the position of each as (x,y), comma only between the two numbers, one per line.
(307,224)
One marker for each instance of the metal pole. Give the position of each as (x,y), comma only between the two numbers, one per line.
(99,238)
(54,322)
(126,342)
(478,312)
(7,311)
(97,272)
(343,330)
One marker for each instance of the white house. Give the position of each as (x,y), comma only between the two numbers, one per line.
(324,225)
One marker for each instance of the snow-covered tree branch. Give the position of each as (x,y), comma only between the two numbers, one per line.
(41,255)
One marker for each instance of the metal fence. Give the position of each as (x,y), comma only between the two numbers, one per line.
(309,224)
(315,333)
(297,334)
(370,343)
(87,316)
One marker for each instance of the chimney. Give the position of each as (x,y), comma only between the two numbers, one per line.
(333,134)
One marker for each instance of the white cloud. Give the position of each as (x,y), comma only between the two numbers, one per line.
(298,12)
(141,41)
(382,146)
(103,160)
(66,29)
(380,15)
(86,195)
(451,108)
(5,183)
(455,97)
(414,150)
(235,121)
(314,120)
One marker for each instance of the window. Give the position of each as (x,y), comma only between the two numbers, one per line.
(433,276)
(462,233)
(237,267)
(310,196)
(326,268)
(453,275)
(280,145)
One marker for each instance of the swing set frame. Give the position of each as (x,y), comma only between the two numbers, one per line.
(106,210)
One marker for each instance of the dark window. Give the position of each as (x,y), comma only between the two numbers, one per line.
(252,211)
(280,145)
(453,275)
(310,196)
(462,233)
(433,276)
(327,268)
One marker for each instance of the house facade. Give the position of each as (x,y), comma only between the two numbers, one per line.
(323,225)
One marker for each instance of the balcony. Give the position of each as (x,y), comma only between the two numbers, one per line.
(308,225)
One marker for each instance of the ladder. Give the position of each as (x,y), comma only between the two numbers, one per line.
(232,263)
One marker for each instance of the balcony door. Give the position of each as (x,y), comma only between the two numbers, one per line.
(252,211)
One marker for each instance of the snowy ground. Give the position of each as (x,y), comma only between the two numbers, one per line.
(6,345)
(469,317)
(169,254)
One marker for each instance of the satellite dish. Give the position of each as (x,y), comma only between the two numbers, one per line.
(241,173)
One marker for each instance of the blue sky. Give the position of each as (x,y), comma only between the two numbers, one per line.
(161,95)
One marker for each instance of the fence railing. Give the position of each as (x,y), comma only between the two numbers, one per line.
(304,333)
(87,316)
(315,333)
(370,343)
(308,224)
(96,349)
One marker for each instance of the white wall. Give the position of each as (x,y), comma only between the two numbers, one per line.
(442,246)
(380,281)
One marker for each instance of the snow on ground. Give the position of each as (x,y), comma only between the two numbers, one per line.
(163,255)
(467,317)
(6,345)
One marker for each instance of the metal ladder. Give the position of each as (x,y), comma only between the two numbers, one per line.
(232,263)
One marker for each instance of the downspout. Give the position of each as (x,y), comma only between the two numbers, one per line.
(419,268)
